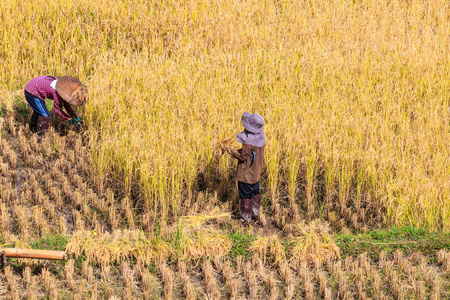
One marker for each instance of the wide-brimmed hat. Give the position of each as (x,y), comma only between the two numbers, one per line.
(252,122)
(253,133)
(71,90)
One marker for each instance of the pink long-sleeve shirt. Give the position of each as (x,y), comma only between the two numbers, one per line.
(40,87)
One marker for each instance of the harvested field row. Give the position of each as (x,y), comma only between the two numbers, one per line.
(395,277)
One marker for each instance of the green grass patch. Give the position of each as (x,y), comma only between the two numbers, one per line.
(407,239)
(19,107)
(51,242)
(241,244)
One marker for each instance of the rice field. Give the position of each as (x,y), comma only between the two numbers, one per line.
(355,99)
(49,198)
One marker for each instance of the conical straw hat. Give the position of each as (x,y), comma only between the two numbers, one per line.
(71,90)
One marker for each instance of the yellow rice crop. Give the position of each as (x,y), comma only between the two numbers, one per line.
(354,93)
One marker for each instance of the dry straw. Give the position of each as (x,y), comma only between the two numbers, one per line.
(197,236)
(107,248)
(268,247)
(313,243)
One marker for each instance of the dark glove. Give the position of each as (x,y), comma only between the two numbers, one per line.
(76,121)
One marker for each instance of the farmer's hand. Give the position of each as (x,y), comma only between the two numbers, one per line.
(76,121)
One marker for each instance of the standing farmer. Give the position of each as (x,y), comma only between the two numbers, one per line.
(64,91)
(250,160)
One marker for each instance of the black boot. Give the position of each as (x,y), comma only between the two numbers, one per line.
(33,122)
(43,124)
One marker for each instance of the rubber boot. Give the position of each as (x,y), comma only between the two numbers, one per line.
(246,210)
(33,122)
(43,124)
(256,203)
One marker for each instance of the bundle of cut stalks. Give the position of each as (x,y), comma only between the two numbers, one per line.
(116,247)
(268,246)
(207,243)
(199,219)
(222,144)
(313,243)
(197,239)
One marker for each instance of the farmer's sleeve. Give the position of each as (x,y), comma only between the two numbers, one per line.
(242,154)
(69,109)
(57,106)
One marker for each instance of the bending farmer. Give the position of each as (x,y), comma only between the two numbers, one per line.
(64,91)
(250,160)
